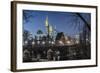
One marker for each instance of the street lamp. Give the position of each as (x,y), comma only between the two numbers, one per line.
(33,43)
(26,42)
(38,42)
(53,42)
(43,42)
(68,42)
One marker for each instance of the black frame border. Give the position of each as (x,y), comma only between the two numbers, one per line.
(14,35)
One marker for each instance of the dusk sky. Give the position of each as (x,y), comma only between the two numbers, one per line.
(66,22)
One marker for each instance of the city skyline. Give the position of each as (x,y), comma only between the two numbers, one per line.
(66,22)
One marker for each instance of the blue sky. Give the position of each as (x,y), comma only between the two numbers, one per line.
(66,22)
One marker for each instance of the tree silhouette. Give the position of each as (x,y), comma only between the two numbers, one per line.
(86,23)
(26,35)
(28,16)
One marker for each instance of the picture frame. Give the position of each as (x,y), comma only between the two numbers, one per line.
(42,37)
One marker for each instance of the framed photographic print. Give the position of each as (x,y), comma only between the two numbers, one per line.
(48,36)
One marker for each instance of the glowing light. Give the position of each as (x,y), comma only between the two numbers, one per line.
(77,41)
(43,42)
(61,43)
(26,42)
(50,29)
(38,42)
(68,42)
(53,43)
(49,41)
(33,42)
(46,22)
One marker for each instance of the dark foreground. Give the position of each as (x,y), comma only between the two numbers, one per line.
(55,53)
